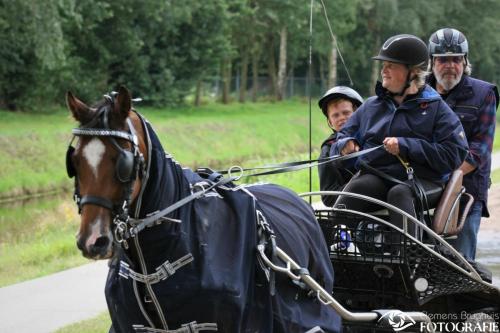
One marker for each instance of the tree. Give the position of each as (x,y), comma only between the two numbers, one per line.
(342,18)
(32,51)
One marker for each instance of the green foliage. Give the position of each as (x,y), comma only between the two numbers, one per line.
(99,324)
(161,49)
(495,176)
(32,150)
(158,48)
(37,239)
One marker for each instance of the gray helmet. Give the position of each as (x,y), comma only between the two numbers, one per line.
(448,42)
(404,49)
(340,91)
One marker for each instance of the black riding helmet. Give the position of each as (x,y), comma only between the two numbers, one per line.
(404,49)
(339,92)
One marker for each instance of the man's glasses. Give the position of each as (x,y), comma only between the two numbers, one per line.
(455,59)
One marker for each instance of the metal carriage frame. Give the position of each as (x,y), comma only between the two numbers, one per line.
(418,272)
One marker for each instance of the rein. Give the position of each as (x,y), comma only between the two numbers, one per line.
(141,224)
(296,165)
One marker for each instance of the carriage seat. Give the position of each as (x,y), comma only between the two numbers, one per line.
(448,218)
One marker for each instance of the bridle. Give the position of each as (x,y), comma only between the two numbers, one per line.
(129,166)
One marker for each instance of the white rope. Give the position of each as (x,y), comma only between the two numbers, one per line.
(336,44)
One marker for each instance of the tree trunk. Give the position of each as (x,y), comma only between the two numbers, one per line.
(197,97)
(322,79)
(282,66)
(255,75)
(271,67)
(332,66)
(375,65)
(226,80)
(244,75)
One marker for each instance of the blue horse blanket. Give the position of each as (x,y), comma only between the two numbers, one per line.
(224,283)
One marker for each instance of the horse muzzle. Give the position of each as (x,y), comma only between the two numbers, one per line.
(96,245)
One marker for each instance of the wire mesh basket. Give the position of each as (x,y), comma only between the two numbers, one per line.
(377,265)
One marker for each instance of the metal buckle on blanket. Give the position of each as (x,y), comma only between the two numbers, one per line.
(163,272)
(192,327)
(200,186)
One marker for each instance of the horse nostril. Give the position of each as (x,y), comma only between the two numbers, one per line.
(101,242)
(80,244)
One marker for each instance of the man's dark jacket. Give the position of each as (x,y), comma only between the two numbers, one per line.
(468,99)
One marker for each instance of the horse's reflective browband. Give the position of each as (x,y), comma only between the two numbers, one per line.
(103,132)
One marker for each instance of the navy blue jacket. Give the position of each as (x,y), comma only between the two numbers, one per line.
(429,133)
(333,176)
(475,103)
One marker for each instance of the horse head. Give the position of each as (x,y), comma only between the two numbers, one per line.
(106,162)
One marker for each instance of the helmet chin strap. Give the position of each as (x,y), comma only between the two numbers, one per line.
(407,85)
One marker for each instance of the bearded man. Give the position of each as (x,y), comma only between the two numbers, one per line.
(475,102)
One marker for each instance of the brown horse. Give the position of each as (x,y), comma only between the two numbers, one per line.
(99,165)
(183,245)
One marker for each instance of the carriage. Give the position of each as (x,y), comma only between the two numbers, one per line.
(198,252)
(414,273)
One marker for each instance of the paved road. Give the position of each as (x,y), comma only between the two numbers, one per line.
(46,304)
(495,161)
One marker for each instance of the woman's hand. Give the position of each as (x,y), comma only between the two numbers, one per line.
(350,147)
(391,145)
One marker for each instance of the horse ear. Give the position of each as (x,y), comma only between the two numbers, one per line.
(123,103)
(81,112)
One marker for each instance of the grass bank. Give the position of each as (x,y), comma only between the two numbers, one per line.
(32,146)
(38,237)
(98,324)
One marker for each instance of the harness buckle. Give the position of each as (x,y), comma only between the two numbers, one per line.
(120,232)
(199,186)
(409,172)
(235,168)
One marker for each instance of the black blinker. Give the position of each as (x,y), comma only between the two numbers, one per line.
(70,168)
(125,166)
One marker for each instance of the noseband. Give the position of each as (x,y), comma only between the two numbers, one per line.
(127,167)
